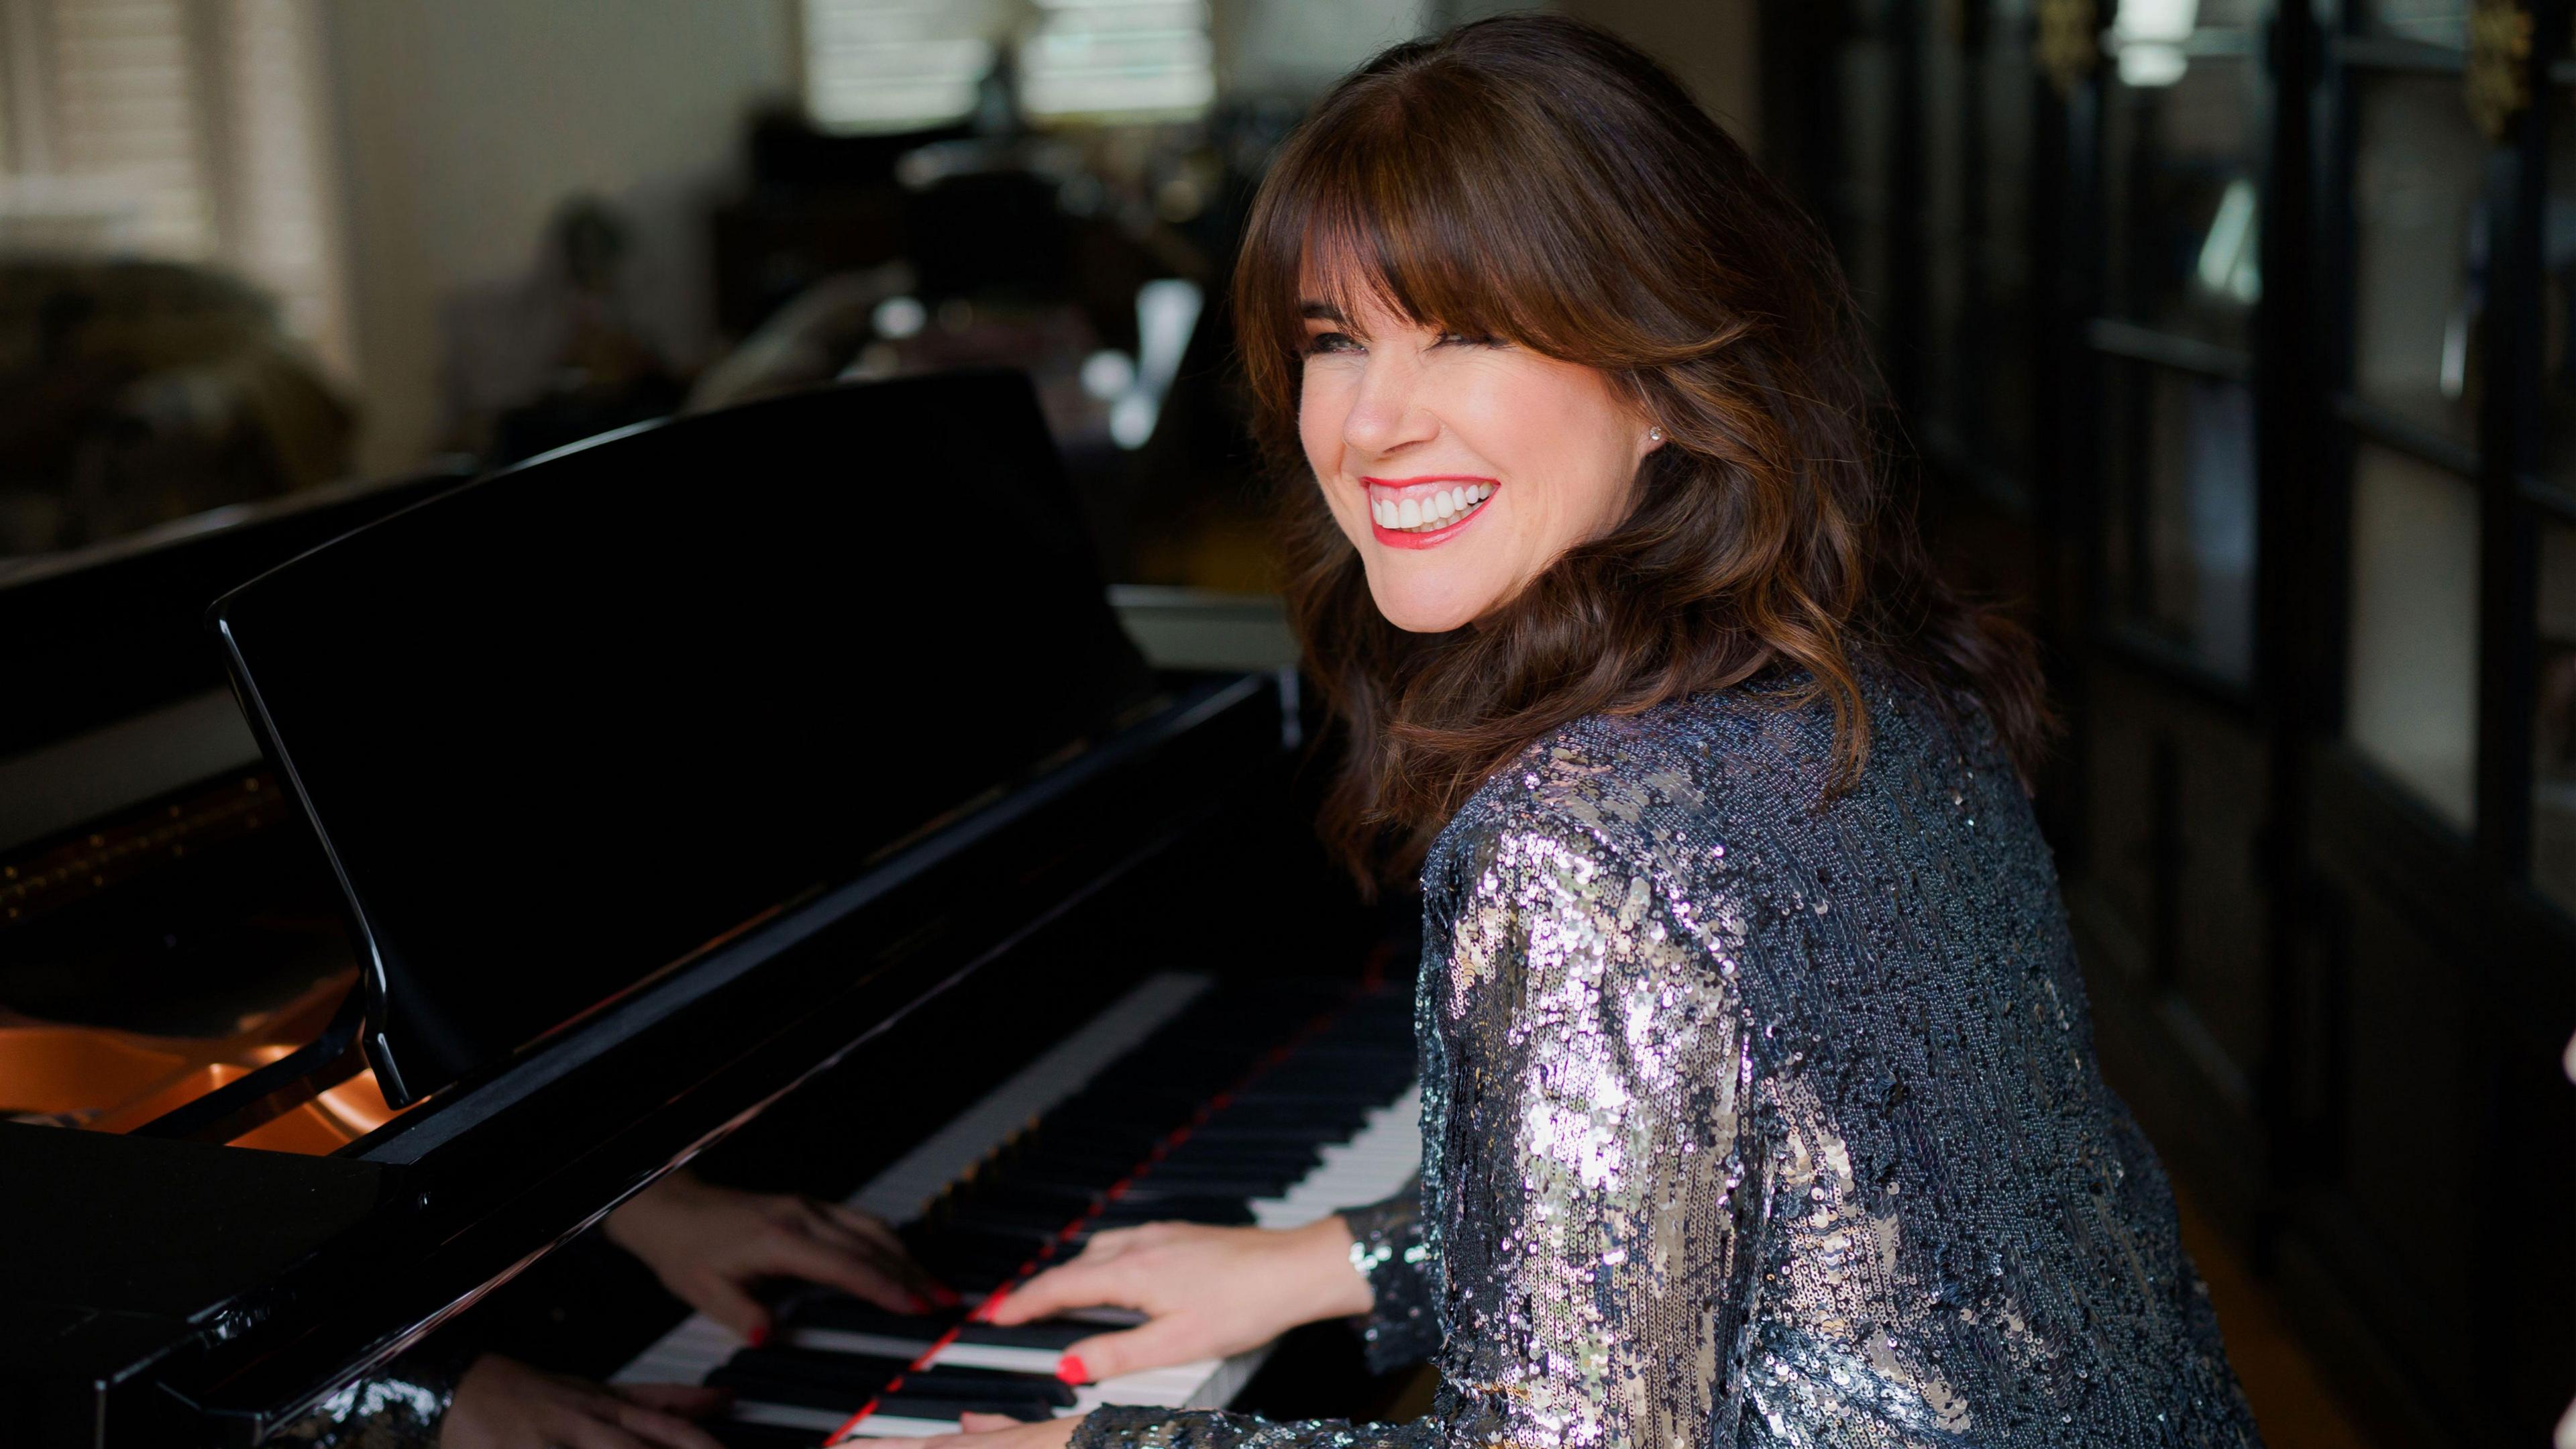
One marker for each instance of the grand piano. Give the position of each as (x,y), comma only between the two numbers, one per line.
(773,791)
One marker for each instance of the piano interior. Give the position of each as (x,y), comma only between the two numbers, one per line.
(154,957)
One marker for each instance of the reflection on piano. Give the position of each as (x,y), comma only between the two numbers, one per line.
(216,1216)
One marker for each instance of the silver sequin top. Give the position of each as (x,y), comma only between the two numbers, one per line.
(1756,1118)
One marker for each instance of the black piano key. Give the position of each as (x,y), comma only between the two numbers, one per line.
(1031,1200)
(989,1224)
(1010,1191)
(1054,1333)
(735,1434)
(930,1406)
(799,1393)
(1172,1202)
(1151,1188)
(974,1383)
(1072,1170)
(1104,1154)
(1016,1202)
(971,1271)
(1217,1160)
(857,1315)
(1218,1178)
(960,1237)
(1292,1153)
(1299,1109)
(1253,1136)
(1220,1211)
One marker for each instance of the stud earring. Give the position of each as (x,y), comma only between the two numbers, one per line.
(1654,435)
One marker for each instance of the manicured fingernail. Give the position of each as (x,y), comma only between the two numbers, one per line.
(1070,1369)
(944,1296)
(917,1303)
(757,1336)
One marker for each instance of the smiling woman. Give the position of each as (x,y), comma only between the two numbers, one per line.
(1520,260)
(1758,1097)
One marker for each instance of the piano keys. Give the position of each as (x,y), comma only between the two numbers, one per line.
(1178,1102)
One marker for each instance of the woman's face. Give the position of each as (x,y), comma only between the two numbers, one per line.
(1458,467)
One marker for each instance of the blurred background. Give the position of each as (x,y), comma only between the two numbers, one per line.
(2229,339)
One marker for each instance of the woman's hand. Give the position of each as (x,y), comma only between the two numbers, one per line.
(1001,1431)
(1206,1292)
(709,1245)
(504,1404)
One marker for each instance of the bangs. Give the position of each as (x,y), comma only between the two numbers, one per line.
(1419,211)
(1470,201)
(1387,233)
(1353,255)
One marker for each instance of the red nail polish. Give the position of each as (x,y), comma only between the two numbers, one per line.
(1071,1369)
(757,1336)
(944,1296)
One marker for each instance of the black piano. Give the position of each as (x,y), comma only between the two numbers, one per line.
(395,880)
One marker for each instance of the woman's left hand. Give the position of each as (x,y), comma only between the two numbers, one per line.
(1001,1431)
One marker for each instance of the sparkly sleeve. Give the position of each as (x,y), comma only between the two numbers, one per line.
(400,1406)
(1386,1248)
(1593,1170)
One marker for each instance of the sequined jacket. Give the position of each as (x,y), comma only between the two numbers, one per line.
(1754,1116)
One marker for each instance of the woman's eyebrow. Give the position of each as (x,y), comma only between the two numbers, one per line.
(1314,311)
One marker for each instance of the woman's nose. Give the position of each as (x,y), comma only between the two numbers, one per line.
(1387,412)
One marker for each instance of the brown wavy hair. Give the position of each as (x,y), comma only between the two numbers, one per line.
(1536,179)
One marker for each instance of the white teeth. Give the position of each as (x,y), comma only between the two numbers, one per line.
(1429,510)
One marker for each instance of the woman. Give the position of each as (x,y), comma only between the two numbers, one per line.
(1759,1097)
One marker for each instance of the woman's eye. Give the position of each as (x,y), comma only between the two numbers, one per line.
(1330,342)
(1468,339)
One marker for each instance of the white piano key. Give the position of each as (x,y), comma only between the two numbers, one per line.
(998,1356)
(895,1426)
(835,1340)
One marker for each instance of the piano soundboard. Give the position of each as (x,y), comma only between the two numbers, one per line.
(1179,1101)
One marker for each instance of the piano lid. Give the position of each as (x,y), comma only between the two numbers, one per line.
(562,727)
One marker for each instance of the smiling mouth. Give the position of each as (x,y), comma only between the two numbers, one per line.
(1413,509)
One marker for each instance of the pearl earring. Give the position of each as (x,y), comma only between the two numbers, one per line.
(1654,435)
